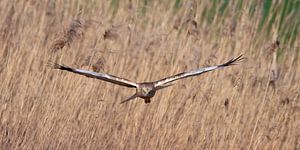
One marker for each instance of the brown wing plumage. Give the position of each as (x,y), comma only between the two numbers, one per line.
(196,72)
(91,74)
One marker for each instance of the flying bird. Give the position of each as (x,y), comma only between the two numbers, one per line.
(144,90)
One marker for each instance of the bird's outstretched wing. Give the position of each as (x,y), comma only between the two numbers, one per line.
(91,74)
(196,72)
(130,98)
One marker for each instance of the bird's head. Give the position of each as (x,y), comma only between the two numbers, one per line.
(147,89)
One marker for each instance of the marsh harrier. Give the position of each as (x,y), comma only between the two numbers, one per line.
(144,90)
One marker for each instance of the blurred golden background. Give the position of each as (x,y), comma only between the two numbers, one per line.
(253,105)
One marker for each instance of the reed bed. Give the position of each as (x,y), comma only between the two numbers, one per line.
(253,105)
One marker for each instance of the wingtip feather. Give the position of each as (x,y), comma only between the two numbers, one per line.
(53,65)
(233,61)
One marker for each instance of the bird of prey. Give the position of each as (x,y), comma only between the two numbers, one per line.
(144,90)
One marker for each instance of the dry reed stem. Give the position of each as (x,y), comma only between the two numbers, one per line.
(74,30)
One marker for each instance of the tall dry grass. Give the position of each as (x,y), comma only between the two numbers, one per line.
(233,108)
